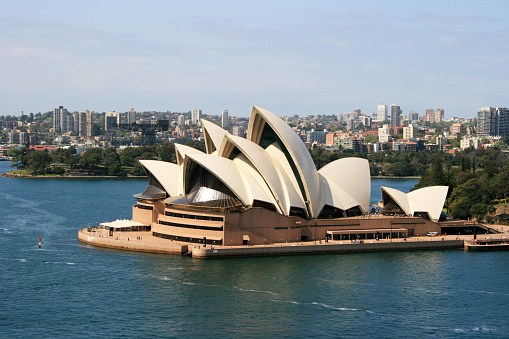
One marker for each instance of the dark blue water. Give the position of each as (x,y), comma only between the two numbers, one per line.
(72,290)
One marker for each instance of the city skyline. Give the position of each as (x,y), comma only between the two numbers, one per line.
(291,57)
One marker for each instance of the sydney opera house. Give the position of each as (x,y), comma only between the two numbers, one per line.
(266,189)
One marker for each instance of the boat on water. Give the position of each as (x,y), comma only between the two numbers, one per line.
(501,244)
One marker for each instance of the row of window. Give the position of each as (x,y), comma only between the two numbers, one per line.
(206,228)
(187,239)
(192,216)
(145,207)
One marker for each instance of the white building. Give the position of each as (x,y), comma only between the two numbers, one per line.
(195,116)
(409,132)
(382,113)
(224,119)
(384,134)
(131,116)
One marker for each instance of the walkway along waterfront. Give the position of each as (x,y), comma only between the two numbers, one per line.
(143,241)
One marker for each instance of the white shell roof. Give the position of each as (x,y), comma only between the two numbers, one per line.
(428,199)
(400,198)
(352,175)
(225,170)
(292,192)
(336,196)
(258,190)
(182,150)
(165,173)
(262,162)
(213,135)
(302,159)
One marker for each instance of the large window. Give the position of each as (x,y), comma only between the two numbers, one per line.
(187,239)
(175,224)
(192,216)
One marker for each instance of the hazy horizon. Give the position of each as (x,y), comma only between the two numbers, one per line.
(290,57)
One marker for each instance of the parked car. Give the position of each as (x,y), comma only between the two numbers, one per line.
(432,234)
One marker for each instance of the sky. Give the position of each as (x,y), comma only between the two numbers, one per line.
(290,57)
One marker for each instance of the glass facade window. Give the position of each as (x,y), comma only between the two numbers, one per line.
(192,216)
(187,239)
(207,228)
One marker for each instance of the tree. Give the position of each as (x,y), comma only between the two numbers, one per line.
(116,170)
(38,161)
(110,156)
(502,183)
(370,139)
(198,144)
(91,159)
(19,157)
(128,156)
(402,169)
(167,152)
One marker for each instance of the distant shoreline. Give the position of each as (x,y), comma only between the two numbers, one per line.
(13,175)
(393,177)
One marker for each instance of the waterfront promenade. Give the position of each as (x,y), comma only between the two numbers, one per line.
(145,242)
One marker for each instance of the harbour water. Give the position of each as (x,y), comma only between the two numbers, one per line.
(67,289)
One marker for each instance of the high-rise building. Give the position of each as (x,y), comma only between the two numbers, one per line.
(131,116)
(503,121)
(487,122)
(366,121)
(90,123)
(350,124)
(56,118)
(439,115)
(82,129)
(76,120)
(238,131)
(70,122)
(395,115)
(430,115)
(224,119)
(60,121)
(382,113)
(413,116)
(181,120)
(109,120)
(195,116)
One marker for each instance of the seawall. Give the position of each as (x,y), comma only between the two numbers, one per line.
(132,244)
(324,248)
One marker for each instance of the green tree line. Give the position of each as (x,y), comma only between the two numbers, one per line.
(95,161)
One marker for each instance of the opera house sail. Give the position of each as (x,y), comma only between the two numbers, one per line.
(263,189)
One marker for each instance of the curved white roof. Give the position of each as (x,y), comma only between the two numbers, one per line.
(428,199)
(258,190)
(262,162)
(213,135)
(336,196)
(224,169)
(304,165)
(400,198)
(352,175)
(182,150)
(292,192)
(165,173)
